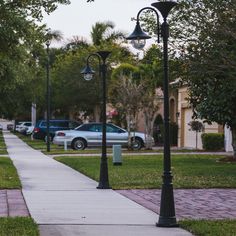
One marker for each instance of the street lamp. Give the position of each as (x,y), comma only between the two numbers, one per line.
(88,75)
(167,216)
(48,96)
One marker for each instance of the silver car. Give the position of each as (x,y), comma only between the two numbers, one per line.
(90,134)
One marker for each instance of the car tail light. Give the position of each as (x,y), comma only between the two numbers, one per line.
(36,130)
(61,134)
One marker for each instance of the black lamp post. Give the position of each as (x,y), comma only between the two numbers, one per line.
(88,75)
(167,216)
(48,96)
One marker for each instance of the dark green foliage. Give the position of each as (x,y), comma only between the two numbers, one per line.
(212,141)
(21,50)
(159,134)
(173,134)
(196,126)
(209,57)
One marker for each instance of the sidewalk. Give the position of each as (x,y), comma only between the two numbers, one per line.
(64,202)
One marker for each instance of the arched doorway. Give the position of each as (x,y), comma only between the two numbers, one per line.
(158,130)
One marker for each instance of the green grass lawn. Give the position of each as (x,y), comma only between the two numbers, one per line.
(210,227)
(3,152)
(8,175)
(18,226)
(190,171)
(3,149)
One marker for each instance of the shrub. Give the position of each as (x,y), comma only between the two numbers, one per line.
(212,141)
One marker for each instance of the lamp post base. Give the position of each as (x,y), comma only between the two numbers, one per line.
(103,186)
(168,222)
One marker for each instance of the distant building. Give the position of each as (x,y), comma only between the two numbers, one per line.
(180,107)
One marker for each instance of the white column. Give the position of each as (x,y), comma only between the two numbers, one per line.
(33,114)
(228,139)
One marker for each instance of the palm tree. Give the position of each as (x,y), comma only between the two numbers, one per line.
(54,35)
(104,32)
(76,43)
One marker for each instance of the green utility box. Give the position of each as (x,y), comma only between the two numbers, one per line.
(117,157)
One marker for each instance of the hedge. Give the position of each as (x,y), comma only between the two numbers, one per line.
(212,141)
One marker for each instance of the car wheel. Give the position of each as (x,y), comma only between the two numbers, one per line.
(78,144)
(137,143)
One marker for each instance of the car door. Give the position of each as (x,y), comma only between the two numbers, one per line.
(116,135)
(93,134)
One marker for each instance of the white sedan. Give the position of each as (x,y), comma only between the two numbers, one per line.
(90,134)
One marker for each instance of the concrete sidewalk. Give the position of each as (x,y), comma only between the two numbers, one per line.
(64,202)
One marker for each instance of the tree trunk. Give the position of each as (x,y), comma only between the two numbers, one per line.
(233,129)
(196,139)
(149,121)
(97,113)
(128,119)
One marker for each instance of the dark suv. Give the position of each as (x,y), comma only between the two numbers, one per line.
(40,129)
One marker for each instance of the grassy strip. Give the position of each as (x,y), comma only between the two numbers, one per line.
(3,152)
(60,150)
(8,175)
(3,148)
(36,143)
(190,171)
(18,226)
(55,149)
(210,227)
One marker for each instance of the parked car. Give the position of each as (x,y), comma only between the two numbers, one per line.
(90,134)
(10,126)
(24,126)
(40,129)
(29,130)
(17,124)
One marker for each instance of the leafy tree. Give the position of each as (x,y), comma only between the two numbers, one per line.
(196,126)
(21,40)
(151,98)
(133,89)
(207,33)
(126,97)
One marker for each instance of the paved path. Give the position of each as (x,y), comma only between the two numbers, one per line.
(66,203)
(12,203)
(190,203)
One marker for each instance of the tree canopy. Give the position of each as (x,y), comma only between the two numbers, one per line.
(21,46)
(205,33)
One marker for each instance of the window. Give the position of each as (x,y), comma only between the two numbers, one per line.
(113,129)
(90,127)
(28,124)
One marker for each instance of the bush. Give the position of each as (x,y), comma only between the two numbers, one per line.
(212,141)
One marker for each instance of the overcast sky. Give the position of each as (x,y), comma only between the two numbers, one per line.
(77,18)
